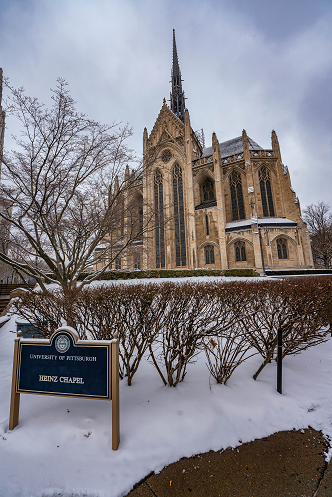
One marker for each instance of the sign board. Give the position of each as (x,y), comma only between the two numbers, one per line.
(67,366)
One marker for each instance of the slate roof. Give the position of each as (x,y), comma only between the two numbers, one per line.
(232,147)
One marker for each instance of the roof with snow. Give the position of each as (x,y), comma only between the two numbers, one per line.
(232,147)
(268,222)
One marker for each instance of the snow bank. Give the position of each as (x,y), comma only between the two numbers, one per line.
(62,446)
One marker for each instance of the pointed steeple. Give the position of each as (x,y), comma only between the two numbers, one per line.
(178,104)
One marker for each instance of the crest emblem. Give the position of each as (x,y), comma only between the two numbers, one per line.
(62,344)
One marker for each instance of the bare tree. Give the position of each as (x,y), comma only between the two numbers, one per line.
(68,189)
(319,220)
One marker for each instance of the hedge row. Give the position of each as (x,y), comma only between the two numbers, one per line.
(171,273)
(294,272)
(174,322)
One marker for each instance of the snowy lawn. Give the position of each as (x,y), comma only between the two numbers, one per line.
(62,446)
(196,279)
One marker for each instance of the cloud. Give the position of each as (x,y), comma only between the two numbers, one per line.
(256,65)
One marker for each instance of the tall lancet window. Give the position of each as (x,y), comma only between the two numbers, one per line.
(208,191)
(159,219)
(236,196)
(180,233)
(266,192)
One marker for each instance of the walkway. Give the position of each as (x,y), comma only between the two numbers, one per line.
(288,463)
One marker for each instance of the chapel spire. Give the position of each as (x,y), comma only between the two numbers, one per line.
(178,104)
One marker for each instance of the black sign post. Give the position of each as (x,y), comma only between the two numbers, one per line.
(69,367)
(279,363)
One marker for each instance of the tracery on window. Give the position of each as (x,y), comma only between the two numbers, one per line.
(166,156)
(208,191)
(266,192)
(159,219)
(209,254)
(179,225)
(240,251)
(236,196)
(282,248)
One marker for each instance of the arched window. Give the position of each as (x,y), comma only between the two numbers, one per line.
(209,254)
(159,219)
(137,262)
(240,251)
(208,191)
(282,248)
(236,196)
(266,192)
(180,234)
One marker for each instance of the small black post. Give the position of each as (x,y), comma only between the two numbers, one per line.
(331,328)
(279,363)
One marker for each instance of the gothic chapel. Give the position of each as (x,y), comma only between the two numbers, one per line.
(220,207)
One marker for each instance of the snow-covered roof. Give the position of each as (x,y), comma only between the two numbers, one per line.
(232,147)
(102,246)
(272,222)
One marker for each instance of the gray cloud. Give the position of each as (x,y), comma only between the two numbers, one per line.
(256,65)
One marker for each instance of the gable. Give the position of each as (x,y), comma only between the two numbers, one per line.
(166,120)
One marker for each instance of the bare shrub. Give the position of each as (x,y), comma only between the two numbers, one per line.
(97,313)
(313,327)
(225,353)
(290,305)
(129,310)
(324,291)
(44,312)
(226,344)
(181,328)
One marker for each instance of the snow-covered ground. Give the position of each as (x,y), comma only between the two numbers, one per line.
(62,446)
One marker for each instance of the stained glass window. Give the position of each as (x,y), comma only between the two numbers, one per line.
(159,219)
(237,196)
(209,254)
(266,192)
(282,248)
(208,191)
(240,251)
(207,225)
(180,234)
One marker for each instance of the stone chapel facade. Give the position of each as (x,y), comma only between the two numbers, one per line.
(227,206)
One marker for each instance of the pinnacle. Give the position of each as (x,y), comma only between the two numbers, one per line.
(176,68)
(178,104)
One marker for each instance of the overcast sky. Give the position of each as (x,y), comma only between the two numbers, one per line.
(252,64)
